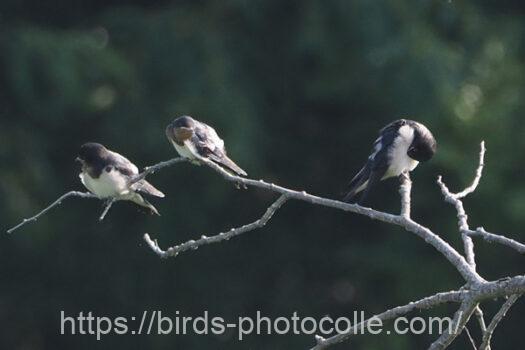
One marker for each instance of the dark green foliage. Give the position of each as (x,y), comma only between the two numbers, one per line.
(298,90)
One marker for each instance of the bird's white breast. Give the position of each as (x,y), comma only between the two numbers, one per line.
(187,150)
(399,159)
(108,184)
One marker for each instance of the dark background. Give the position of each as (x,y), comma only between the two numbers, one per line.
(298,90)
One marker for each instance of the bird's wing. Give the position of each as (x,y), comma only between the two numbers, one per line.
(358,183)
(123,164)
(207,141)
(145,187)
(376,165)
(127,168)
(211,146)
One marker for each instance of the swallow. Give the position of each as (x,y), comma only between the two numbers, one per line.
(196,141)
(107,174)
(400,147)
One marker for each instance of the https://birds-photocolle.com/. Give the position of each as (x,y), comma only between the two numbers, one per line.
(400,147)
(197,141)
(107,174)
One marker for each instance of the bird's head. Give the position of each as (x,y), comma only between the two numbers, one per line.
(424,144)
(180,129)
(91,152)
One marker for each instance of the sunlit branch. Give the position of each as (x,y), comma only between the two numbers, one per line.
(456,259)
(487,335)
(494,238)
(51,206)
(224,236)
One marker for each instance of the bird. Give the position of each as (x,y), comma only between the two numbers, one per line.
(107,174)
(400,147)
(198,141)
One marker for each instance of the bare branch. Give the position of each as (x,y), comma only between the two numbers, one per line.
(476,290)
(469,336)
(224,236)
(154,168)
(494,238)
(405,190)
(51,206)
(107,206)
(477,178)
(481,321)
(426,303)
(455,199)
(456,259)
(487,336)
(458,325)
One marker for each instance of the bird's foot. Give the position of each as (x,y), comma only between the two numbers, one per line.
(240,185)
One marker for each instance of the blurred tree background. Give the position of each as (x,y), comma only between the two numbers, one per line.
(298,90)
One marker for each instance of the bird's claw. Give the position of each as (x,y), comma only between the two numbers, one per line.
(240,185)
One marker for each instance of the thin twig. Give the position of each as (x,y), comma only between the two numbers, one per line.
(494,238)
(455,199)
(52,205)
(487,336)
(461,318)
(224,236)
(481,321)
(154,168)
(426,303)
(479,173)
(469,336)
(107,206)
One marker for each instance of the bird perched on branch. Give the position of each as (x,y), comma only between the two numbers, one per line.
(399,149)
(109,175)
(197,141)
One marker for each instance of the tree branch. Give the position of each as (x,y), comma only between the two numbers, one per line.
(51,206)
(481,320)
(472,342)
(154,168)
(107,206)
(456,259)
(469,299)
(459,322)
(224,236)
(487,336)
(455,199)
(475,291)
(425,303)
(494,238)
(405,190)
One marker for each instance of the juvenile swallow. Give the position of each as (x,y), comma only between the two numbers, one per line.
(399,149)
(196,141)
(107,174)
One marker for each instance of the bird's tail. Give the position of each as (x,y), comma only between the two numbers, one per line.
(138,199)
(357,184)
(145,187)
(230,164)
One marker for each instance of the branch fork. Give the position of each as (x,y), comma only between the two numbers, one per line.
(469,296)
